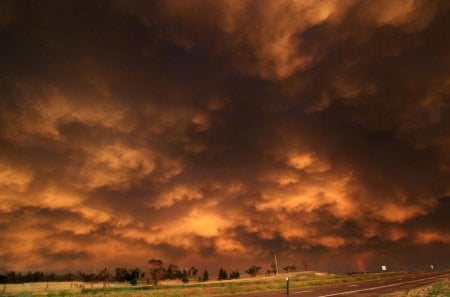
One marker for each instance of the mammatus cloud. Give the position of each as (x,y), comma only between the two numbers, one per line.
(213,132)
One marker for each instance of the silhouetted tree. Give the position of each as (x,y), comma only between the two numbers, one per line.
(156,271)
(273,268)
(11,277)
(121,275)
(51,277)
(289,268)
(171,271)
(253,270)
(193,271)
(222,274)
(134,276)
(205,276)
(179,274)
(234,274)
(102,275)
(184,276)
(136,273)
(86,277)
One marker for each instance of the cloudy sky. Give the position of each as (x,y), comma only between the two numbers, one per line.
(217,133)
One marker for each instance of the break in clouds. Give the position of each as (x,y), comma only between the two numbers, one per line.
(217,133)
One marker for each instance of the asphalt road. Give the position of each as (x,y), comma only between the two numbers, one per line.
(364,288)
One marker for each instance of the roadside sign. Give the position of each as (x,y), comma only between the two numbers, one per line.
(383,267)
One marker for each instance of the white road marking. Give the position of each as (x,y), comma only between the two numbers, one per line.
(374,288)
(353,286)
(302,292)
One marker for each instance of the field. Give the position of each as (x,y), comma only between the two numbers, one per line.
(176,289)
(439,289)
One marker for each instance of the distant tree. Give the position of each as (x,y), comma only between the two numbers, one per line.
(135,274)
(184,276)
(128,275)
(234,274)
(179,274)
(87,277)
(273,268)
(102,275)
(68,277)
(32,277)
(253,270)
(171,271)
(156,271)
(205,276)
(3,279)
(222,274)
(121,275)
(193,271)
(289,268)
(11,277)
(51,277)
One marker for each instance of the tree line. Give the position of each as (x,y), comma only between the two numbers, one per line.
(156,272)
(121,275)
(13,277)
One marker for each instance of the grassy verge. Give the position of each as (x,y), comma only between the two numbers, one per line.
(297,280)
(439,289)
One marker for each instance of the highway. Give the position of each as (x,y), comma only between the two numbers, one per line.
(363,288)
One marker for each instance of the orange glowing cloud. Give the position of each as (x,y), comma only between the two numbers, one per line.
(201,132)
(115,165)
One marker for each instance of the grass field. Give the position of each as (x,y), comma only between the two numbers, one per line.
(176,289)
(439,289)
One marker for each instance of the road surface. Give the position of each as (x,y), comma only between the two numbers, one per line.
(363,288)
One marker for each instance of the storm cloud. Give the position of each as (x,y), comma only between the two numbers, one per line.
(216,133)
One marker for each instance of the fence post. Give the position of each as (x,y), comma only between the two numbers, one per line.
(287,285)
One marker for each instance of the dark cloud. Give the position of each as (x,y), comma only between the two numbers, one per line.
(206,132)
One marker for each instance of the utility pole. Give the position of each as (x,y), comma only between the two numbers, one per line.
(276,264)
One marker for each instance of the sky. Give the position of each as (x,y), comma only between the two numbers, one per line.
(220,133)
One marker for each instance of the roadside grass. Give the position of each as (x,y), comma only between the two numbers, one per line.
(169,289)
(439,289)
